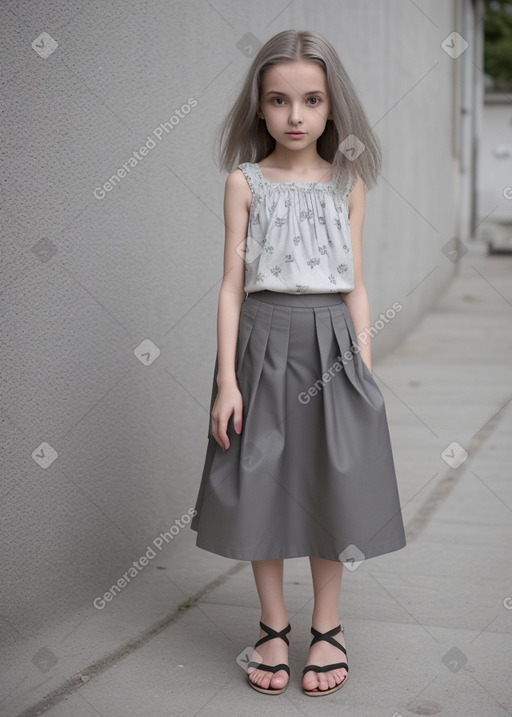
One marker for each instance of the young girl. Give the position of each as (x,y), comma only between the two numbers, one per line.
(299,460)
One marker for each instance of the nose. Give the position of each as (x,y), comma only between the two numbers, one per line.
(295,113)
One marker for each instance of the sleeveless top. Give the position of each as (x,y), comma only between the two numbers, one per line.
(298,239)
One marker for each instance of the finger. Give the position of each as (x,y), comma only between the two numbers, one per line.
(237,420)
(219,441)
(215,431)
(213,427)
(223,439)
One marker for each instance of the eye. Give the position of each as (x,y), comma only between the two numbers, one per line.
(279,100)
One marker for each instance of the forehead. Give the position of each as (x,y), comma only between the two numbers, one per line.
(294,77)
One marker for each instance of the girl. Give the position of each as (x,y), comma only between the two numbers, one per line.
(299,460)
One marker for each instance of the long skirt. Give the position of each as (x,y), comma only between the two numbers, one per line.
(312,471)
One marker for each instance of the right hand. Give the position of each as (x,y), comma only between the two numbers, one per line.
(227,402)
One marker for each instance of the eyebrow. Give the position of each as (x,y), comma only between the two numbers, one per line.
(311,92)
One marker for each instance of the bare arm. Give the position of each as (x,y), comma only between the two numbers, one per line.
(357,299)
(237,199)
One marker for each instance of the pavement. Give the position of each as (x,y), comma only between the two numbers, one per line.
(427,628)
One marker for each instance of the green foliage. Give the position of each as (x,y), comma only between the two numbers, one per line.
(498,40)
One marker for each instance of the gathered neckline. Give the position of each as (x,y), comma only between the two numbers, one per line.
(322,184)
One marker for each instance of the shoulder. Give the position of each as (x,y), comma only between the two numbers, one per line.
(237,188)
(237,179)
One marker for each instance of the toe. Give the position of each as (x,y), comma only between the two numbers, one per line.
(280,679)
(332,679)
(310,681)
(251,673)
(256,677)
(324,681)
(265,680)
(340,676)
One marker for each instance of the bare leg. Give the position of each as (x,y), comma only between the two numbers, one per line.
(326,576)
(268,575)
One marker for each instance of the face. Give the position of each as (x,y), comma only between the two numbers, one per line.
(295,97)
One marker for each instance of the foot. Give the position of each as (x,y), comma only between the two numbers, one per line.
(272,652)
(322,653)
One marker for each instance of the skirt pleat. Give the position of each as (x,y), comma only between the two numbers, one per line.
(312,473)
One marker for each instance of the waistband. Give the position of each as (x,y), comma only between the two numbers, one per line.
(282,298)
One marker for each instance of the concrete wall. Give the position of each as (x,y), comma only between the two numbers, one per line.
(103,441)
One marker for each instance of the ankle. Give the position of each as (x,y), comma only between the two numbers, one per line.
(325,621)
(277,620)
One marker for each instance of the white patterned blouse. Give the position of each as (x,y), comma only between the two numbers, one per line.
(298,236)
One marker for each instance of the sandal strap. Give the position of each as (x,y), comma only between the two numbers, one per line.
(325,668)
(271,634)
(328,637)
(269,668)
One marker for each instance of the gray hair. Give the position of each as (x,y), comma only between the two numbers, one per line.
(243,136)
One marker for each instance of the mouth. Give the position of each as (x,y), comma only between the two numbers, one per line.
(296,134)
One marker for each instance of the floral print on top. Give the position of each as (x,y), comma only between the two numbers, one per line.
(298,239)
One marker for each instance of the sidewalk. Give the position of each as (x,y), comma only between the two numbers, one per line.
(427,628)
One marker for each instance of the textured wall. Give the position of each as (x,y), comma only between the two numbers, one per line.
(103,441)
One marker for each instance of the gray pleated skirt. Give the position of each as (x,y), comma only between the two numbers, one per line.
(312,472)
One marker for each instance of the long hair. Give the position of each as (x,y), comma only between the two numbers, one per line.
(243,136)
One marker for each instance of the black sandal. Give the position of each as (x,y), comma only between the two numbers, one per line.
(328,637)
(271,634)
